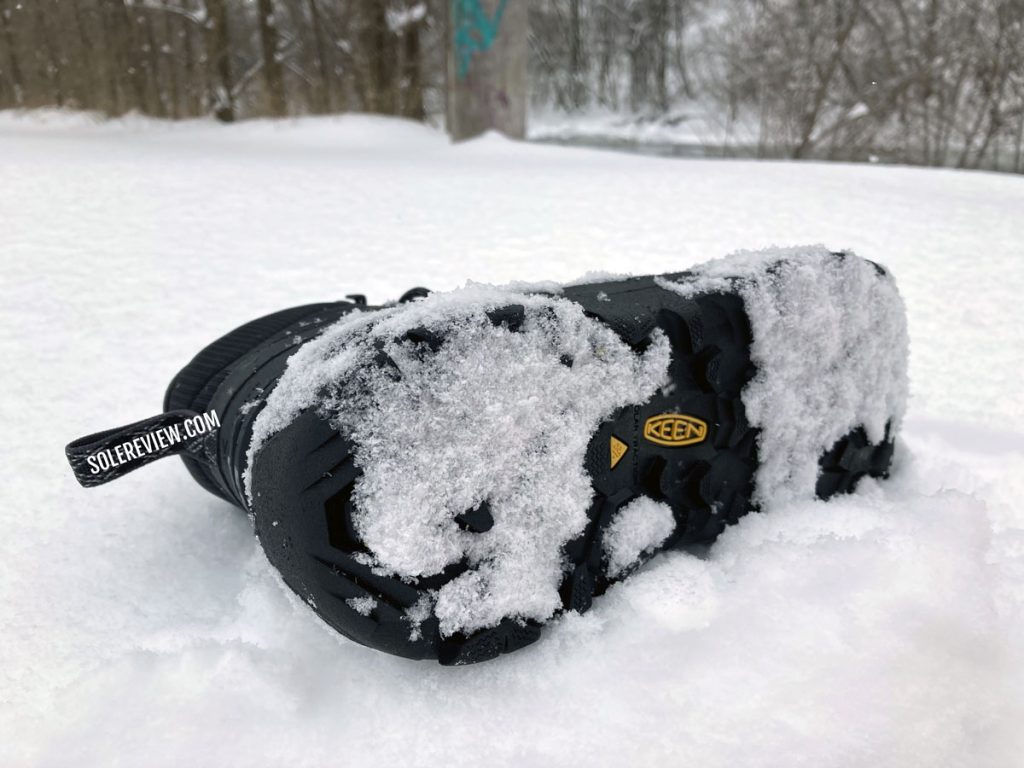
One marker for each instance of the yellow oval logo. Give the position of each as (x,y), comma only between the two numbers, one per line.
(675,429)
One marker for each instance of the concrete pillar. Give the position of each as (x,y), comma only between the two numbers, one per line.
(487,55)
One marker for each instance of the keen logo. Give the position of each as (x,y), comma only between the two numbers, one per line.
(675,429)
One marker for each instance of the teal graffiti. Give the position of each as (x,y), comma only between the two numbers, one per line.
(473,31)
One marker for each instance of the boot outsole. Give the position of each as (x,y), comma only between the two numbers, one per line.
(690,447)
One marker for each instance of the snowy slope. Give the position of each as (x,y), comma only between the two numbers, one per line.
(140,621)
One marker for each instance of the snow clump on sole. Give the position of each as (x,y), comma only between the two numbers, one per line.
(483,415)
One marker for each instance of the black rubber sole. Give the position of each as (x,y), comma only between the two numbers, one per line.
(690,447)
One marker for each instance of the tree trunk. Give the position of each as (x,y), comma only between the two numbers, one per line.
(51,65)
(273,75)
(16,78)
(412,78)
(1018,153)
(323,65)
(128,47)
(682,64)
(218,58)
(190,75)
(153,60)
(659,42)
(575,56)
(109,15)
(168,52)
(379,57)
(94,73)
(639,58)
(607,92)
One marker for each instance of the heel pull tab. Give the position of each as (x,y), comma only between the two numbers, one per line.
(104,456)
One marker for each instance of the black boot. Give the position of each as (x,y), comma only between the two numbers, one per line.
(439,477)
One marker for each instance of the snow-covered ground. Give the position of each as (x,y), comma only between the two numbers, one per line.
(140,623)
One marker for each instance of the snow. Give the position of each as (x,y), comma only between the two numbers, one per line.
(830,346)
(362,605)
(636,529)
(141,624)
(694,125)
(492,416)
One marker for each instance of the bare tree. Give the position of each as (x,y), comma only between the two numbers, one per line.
(323,60)
(272,71)
(14,76)
(938,82)
(219,60)
(47,54)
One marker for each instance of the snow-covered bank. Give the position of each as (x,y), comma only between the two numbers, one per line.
(704,131)
(681,129)
(140,621)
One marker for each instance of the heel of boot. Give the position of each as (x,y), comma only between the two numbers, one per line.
(194,386)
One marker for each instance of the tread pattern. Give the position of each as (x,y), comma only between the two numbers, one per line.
(707,485)
(851,458)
